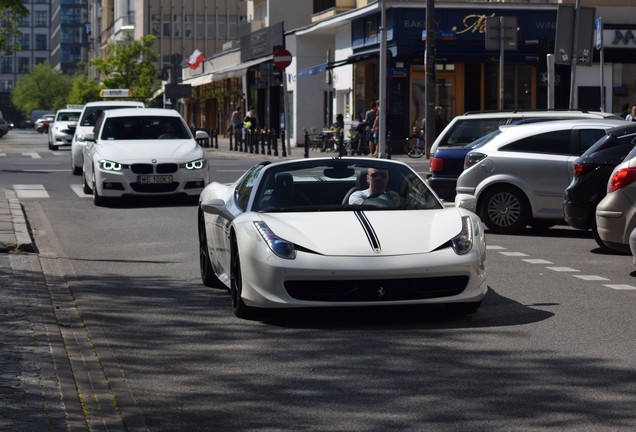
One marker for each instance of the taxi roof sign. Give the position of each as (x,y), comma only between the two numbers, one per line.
(115,93)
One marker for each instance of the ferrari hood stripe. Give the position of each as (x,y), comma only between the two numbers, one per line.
(368,230)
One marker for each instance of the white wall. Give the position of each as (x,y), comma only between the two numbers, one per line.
(308,92)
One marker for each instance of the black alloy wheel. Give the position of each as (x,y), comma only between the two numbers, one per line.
(504,209)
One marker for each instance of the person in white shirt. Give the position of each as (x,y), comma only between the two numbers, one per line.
(632,115)
(377,178)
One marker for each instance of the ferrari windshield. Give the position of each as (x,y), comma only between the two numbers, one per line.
(342,184)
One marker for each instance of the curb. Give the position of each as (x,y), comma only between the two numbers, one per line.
(17,236)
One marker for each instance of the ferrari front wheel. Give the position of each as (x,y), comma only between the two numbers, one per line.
(236,286)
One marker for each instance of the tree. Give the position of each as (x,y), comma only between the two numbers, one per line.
(44,88)
(11,12)
(83,89)
(131,65)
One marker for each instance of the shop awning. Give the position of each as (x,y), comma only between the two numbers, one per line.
(199,80)
(239,70)
(314,70)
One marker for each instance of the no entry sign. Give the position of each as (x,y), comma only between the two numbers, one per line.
(282,58)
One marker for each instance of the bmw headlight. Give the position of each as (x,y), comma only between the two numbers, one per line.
(194,165)
(463,242)
(107,165)
(281,248)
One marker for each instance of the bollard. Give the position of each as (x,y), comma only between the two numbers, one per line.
(282,143)
(269,142)
(231,135)
(275,142)
(264,134)
(341,150)
(216,139)
(306,143)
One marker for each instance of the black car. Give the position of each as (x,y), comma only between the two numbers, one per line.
(4,127)
(591,172)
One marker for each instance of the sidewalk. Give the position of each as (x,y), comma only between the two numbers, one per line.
(30,392)
(294,153)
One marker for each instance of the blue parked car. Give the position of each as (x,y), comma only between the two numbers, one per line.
(448,163)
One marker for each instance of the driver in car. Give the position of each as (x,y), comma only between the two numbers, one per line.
(377,178)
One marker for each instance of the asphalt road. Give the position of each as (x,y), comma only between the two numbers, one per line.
(551,348)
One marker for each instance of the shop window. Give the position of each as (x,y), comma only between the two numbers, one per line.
(517,87)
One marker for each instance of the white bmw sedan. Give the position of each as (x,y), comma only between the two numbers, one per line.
(335,232)
(142,151)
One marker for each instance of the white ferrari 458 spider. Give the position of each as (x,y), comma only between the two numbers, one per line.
(338,232)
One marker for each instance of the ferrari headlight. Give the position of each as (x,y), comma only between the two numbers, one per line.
(281,248)
(463,242)
(194,165)
(107,165)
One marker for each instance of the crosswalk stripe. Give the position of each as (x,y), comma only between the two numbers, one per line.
(79,191)
(30,191)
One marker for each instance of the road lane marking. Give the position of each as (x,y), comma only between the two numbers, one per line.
(562,269)
(537,261)
(493,247)
(514,254)
(621,287)
(33,155)
(591,277)
(30,191)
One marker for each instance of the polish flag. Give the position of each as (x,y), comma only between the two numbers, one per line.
(196,59)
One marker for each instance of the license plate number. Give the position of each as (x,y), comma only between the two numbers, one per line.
(154,179)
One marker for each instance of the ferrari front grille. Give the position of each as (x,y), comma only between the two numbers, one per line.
(377,290)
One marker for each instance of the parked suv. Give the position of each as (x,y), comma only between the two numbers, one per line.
(591,173)
(463,133)
(89,115)
(519,176)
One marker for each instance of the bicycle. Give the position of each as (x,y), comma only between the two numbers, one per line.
(415,145)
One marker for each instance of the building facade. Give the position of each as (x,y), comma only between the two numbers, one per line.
(36,48)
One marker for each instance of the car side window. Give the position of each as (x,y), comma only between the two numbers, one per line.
(587,137)
(556,142)
(244,188)
(468,131)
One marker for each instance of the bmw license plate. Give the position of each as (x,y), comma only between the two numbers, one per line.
(154,179)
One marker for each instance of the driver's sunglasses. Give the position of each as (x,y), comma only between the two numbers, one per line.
(378,174)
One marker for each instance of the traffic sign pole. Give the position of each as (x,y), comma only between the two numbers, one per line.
(283,58)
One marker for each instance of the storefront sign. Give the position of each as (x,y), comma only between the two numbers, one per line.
(618,38)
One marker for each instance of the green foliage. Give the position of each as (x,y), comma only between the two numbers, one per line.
(83,88)
(44,88)
(130,64)
(11,12)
